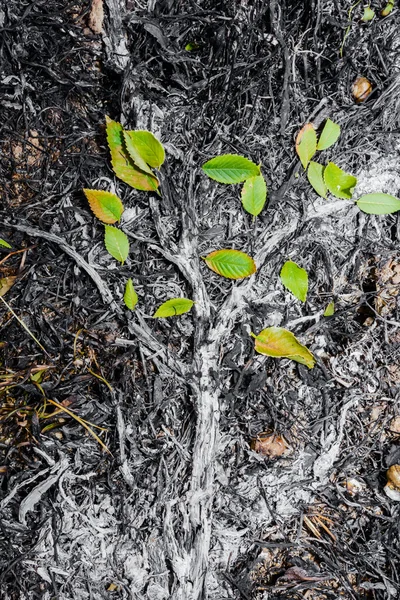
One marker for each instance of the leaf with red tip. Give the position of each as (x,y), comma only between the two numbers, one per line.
(306,144)
(281,343)
(106,206)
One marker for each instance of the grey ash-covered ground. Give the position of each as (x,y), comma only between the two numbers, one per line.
(151,521)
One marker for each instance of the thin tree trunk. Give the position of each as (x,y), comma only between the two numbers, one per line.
(202,481)
(190,559)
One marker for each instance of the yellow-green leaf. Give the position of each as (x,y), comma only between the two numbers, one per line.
(6,283)
(173,307)
(4,244)
(388,8)
(315,176)
(122,164)
(281,343)
(232,264)
(130,295)
(338,182)
(191,46)
(117,243)
(378,204)
(230,168)
(329,135)
(37,377)
(135,154)
(295,279)
(143,145)
(330,309)
(106,206)
(368,15)
(306,144)
(254,194)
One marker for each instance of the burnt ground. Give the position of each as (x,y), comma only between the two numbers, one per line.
(183,506)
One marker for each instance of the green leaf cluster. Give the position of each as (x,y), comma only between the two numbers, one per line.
(133,156)
(233,168)
(133,153)
(333,179)
(323,179)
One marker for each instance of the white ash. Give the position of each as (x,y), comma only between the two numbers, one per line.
(382,174)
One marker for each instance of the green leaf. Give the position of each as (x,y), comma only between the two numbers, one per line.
(130,296)
(330,309)
(254,194)
(232,264)
(135,154)
(329,135)
(143,145)
(306,144)
(315,175)
(281,343)
(191,46)
(173,307)
(106,206)
(388,8)
(38,376)
(295,279)
(4,244)
(117,243)
(368,15)
(122,164)
(338,182)
(230,168)
(378,204)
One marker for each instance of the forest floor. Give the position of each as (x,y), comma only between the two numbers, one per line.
(183,505)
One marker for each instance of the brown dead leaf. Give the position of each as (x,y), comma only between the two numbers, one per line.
(376,414)
(30,151)
(361,89)
(6,283)
(394,426)
(269,444)
(96,16)
(387,285)
(34,149)
(17,151)
(296,573)
(67,402)
(113,587)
